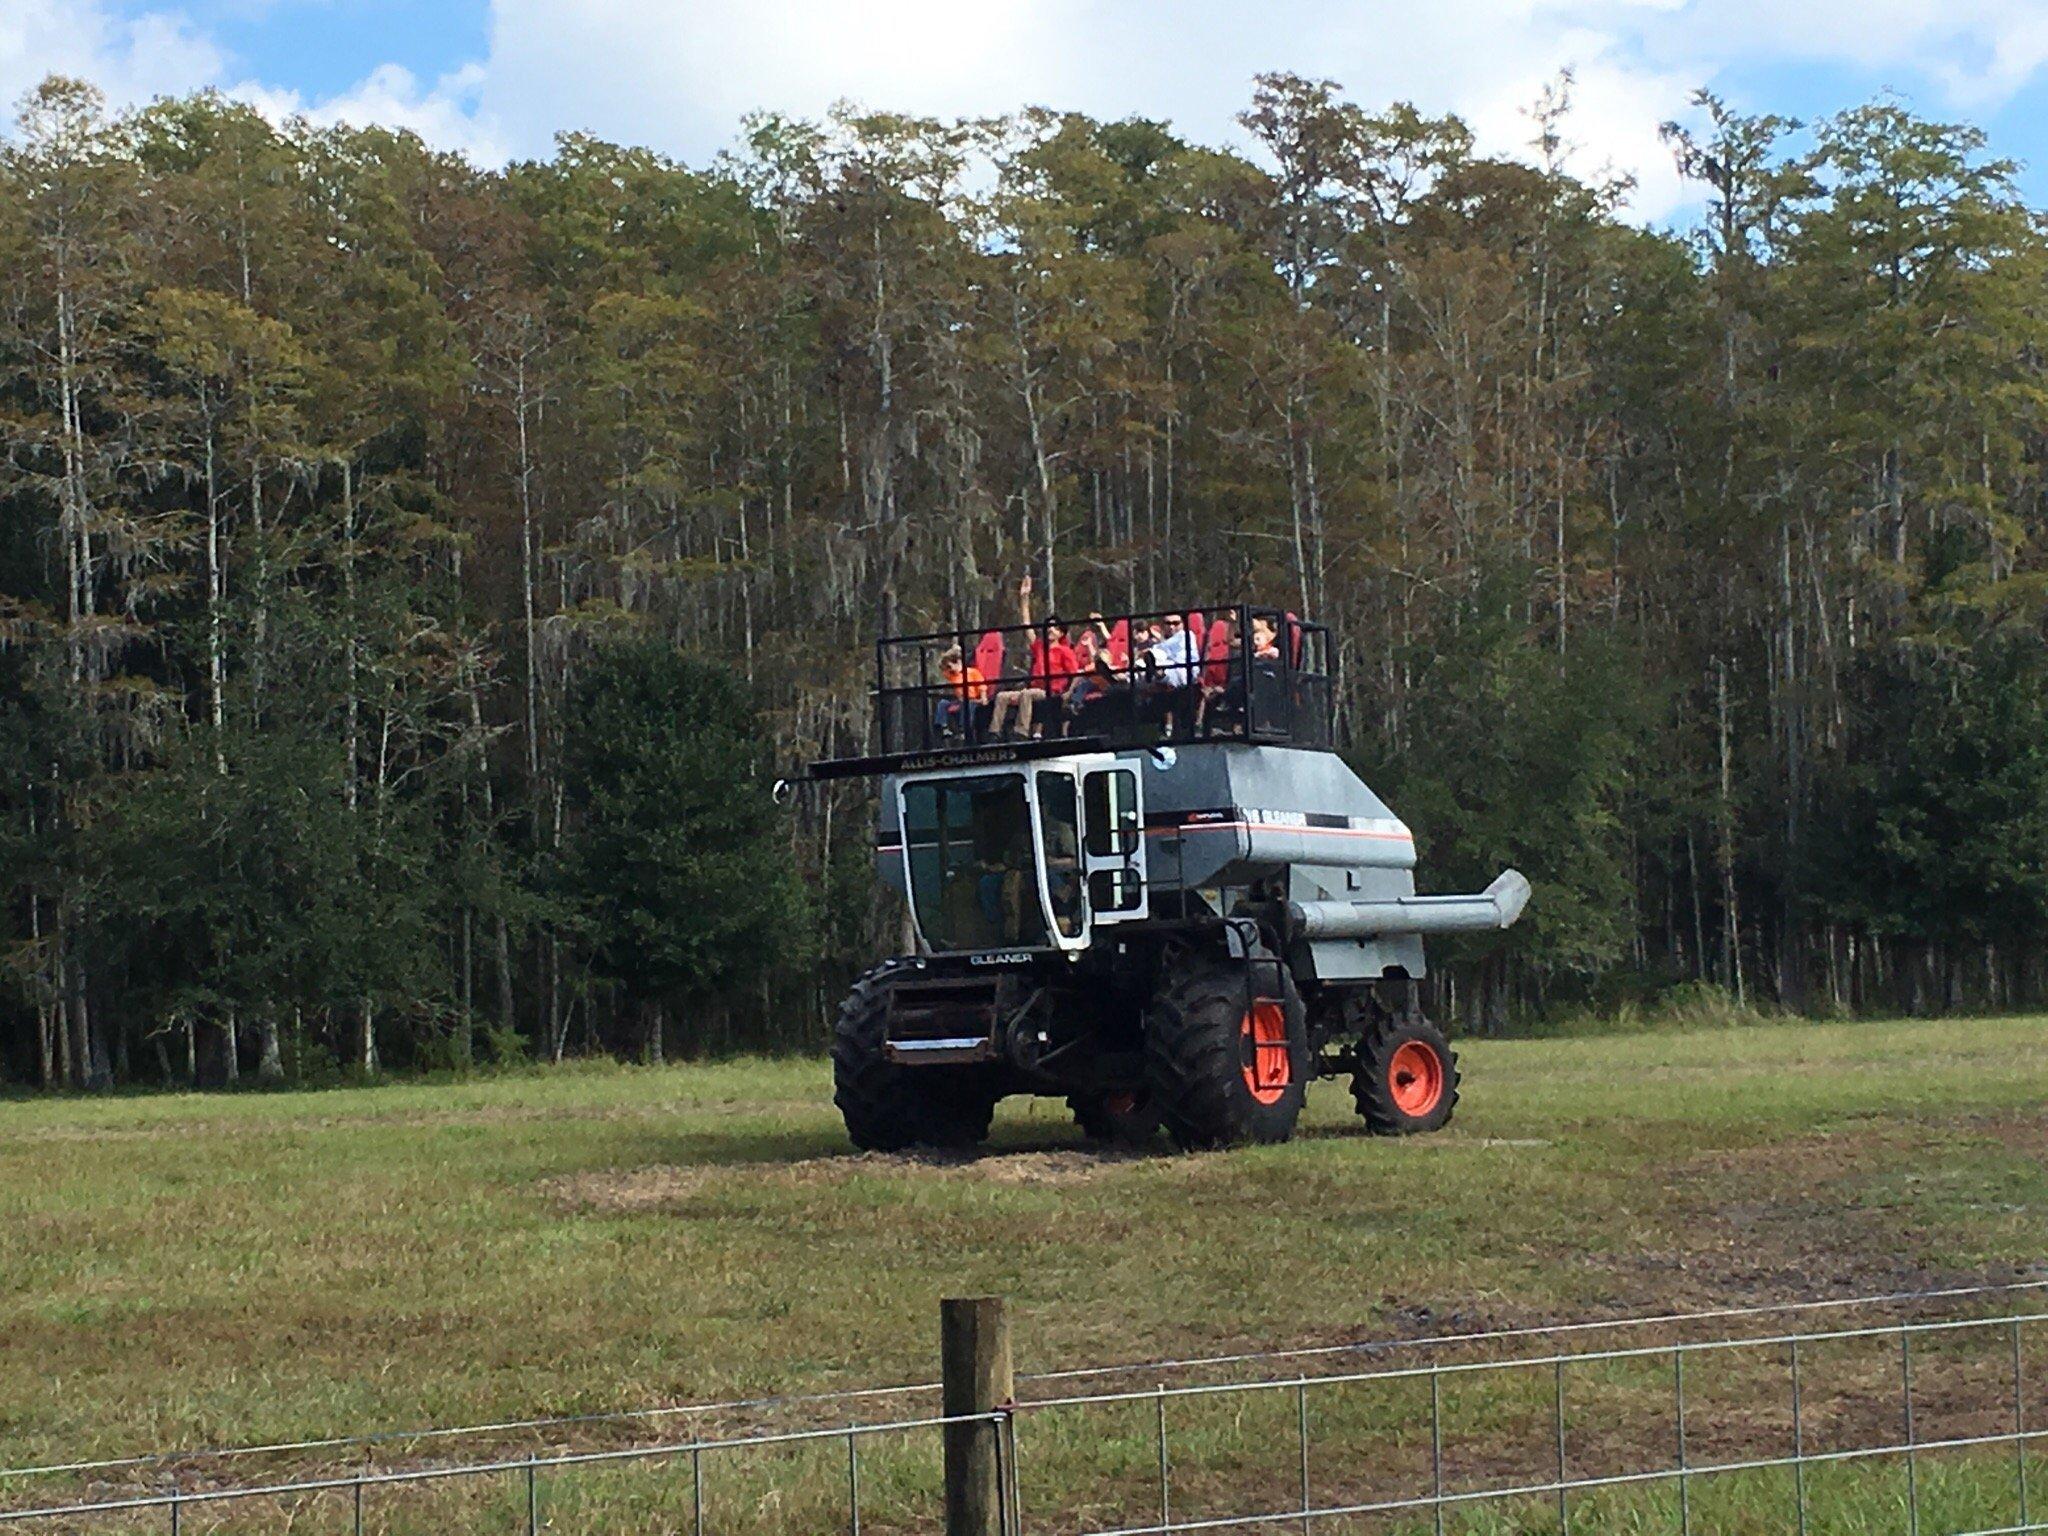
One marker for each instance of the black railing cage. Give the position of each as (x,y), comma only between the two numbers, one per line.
(1231,672)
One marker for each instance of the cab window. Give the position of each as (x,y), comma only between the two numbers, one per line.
(1058,816)
(973,880)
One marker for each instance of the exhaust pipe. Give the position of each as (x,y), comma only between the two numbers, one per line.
(1494,908)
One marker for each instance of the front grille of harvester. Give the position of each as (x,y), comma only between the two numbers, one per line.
(943,1018)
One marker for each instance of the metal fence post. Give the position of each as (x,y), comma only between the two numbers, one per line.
(1436,1444)
(1564,1511)
(1165,1501)
(177,1512)
(977,1382)
(1906,1403)
(2019,1420)
(532,1497)
(697,1487)
(359,1504)
(1684,1476)
(852,1482)
(1301,1430)
(1798,1443)
(1013,1505)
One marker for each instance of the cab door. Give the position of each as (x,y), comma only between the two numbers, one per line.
(1113,842)
(1062,869)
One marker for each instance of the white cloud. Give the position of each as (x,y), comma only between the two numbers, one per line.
(445,114)
(681,77)
(679,74)
(131,59)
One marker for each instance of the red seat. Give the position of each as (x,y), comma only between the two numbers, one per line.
(988,657)
(1216,656)
(1120,645)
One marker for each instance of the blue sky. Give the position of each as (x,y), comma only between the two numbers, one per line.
(498,78)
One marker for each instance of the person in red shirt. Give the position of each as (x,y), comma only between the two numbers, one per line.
(1051,672)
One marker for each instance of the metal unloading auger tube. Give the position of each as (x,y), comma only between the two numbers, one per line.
(1496,907)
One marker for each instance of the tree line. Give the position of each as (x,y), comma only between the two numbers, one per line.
(411,573)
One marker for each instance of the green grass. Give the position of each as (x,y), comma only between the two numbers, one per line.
(186,1271)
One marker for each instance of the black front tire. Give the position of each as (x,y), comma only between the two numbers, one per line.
(888,1107)
(1407,1077)
(1226,1055)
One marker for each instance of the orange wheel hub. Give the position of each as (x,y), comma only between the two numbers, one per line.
(1268,1058)
(1121,1103)
(1415,1078)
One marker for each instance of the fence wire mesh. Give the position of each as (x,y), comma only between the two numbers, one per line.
(1919,1427)
(1927,1427)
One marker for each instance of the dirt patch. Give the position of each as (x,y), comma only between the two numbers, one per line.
(2022,1133)
(1795,1220)
(666,1186)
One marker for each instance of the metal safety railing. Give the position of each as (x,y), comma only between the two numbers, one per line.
(1135,679)
(1680,1470)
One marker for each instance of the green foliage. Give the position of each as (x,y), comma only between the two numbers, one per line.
(1699,574)
(678,873)
(1943,807)
(1527,758)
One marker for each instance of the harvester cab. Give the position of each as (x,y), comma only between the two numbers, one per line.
(1172,903)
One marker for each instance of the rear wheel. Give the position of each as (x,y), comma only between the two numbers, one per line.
(1125,1117)
(1226,1053)
(1407,1077)
(888,1107)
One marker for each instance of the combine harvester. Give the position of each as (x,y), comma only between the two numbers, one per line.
(1177,914)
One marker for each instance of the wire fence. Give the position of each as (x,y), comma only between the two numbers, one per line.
(1918,1425)
(520,1503)
(852,1398)
(1762,1433)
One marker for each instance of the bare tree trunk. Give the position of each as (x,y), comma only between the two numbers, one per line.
(46,1001)
(508,1017)
(465,1027)
(522,404)
(216,593)
(352,740)
(1792,935)
(85,1059)
(1731,914)
(66,1074)
(558,1026)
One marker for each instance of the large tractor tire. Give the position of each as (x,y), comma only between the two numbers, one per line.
(1407,1077)
(1226,1053)
(888,1107)
(1125,1117)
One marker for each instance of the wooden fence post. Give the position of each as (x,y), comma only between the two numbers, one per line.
(975,1369)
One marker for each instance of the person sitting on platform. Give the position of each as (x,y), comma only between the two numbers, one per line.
(1052,670)
(964,691)
(1169,672)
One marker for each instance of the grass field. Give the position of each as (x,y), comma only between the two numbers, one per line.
(209,1270)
